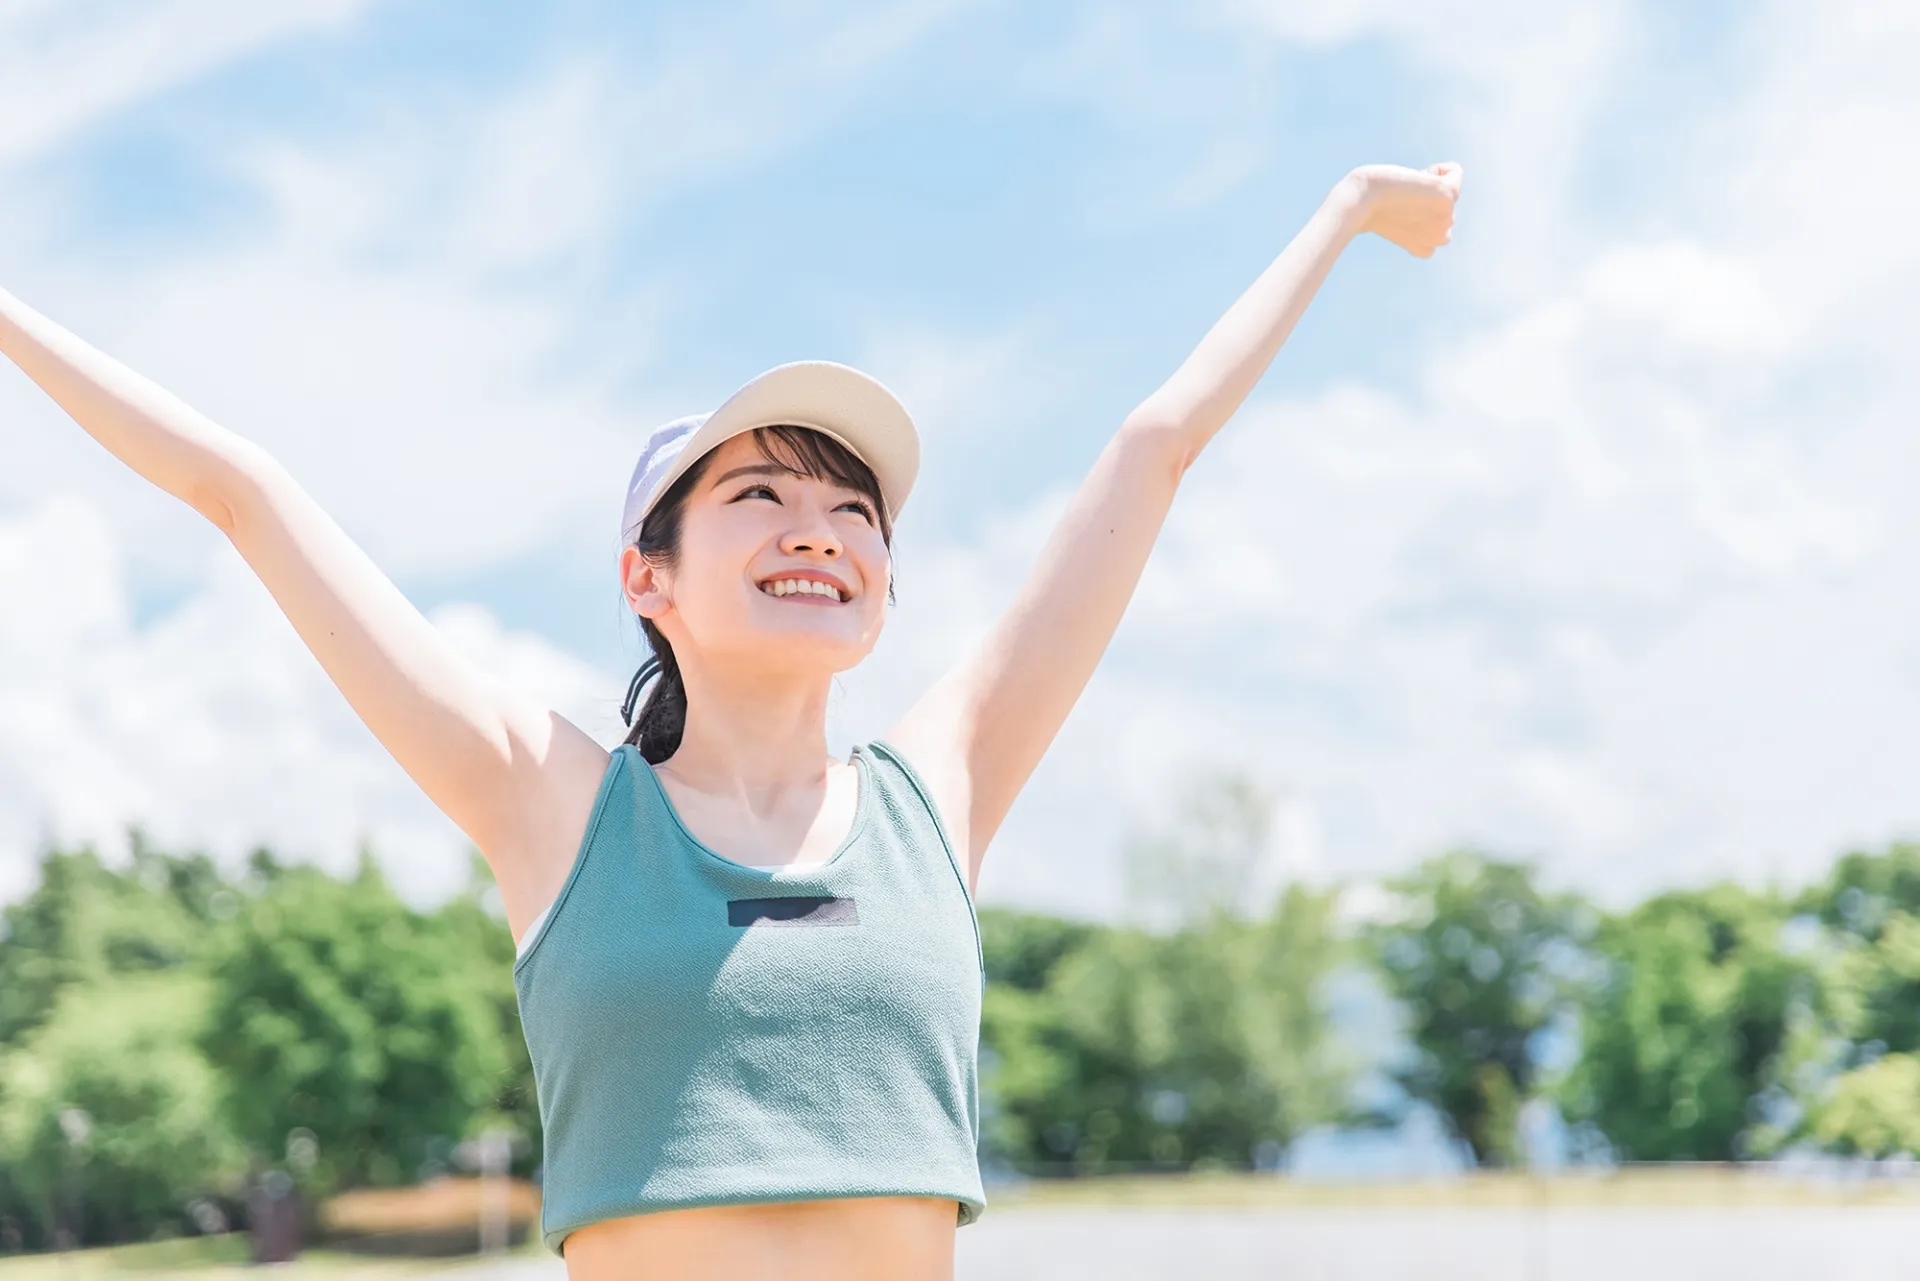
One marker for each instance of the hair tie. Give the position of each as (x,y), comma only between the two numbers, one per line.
(648,670)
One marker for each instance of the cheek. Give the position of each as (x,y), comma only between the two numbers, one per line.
(876,571)
(871,556)
(707,576)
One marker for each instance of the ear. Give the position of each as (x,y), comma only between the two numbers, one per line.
(644,585)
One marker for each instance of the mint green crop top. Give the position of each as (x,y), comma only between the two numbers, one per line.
(707,1033)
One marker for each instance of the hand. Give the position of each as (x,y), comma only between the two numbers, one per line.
(1411,207)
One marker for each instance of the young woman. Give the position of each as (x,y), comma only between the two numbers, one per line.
(749,971)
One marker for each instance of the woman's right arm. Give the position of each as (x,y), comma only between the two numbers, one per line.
(517,778)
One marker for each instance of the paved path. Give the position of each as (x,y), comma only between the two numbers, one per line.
(1443,1245)
(1747,1244)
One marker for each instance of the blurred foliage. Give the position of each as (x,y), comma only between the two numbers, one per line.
(1199,1039)
(1870,906)
(102,991)
(170,1034)
(1864,890)
(1116,1048)
(1692,1035)
(86,924)
(149,1121)
(342,1011)
(1481,961)
(167,1034)
(1873,1110)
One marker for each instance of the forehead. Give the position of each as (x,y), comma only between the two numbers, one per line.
(736,451)
(745,452)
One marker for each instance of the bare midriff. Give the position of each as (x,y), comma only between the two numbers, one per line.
(855,1239)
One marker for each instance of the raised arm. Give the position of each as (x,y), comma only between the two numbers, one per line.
(517,778)
(978,734)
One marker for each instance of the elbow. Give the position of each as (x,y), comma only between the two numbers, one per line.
(1162,441)
(213,502)
(224,491)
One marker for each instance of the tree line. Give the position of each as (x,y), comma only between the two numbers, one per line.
(171,1034)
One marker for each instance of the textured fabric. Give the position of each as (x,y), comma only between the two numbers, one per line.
(819,1049)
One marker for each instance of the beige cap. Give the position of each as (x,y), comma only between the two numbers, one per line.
(838,400)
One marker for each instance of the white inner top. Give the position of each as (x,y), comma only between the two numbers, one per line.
(533,932)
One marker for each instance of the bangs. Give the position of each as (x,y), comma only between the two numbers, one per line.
(818,456)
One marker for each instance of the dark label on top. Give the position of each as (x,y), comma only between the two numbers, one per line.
(799,910)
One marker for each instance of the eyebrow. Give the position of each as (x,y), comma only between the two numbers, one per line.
(751,469)
(771,469)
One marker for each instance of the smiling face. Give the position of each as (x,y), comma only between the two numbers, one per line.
(775,568)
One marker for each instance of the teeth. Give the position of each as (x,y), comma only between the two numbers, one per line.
(801,586)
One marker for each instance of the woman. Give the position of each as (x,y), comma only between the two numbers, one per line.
(748,971)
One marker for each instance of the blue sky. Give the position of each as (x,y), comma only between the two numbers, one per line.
(1583,541)
(968,181)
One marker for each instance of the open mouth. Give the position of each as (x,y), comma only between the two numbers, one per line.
(804,589)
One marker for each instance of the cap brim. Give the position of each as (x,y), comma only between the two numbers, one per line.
(852,407)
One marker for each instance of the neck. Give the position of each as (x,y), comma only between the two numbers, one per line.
(752,733)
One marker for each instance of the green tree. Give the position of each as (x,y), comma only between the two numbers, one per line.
(1200,1038)
(476,930)
(339,1010)
(1865,889)
(1869,1101)
(1872,1110)
(1120,1048)
(1480,960)
(101,1002)
(185,1026)
(1870,905)
(1022,949)
(109,1114)
(1027,1061)
(86,921)
(1690,1040)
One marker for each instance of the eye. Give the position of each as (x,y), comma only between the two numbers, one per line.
(866,512)
(757,491)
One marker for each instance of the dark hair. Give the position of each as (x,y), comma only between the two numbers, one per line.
(662,719)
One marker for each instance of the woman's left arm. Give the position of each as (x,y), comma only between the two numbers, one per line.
(978,734)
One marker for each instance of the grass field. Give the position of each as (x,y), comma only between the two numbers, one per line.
(193,1257)
(393,1217)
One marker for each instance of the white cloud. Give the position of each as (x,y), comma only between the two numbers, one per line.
(1514,88)
(1593,595)
(379,332)
(407,405)
(1621,581)
(1622,585)
(67,63)
(1688,295)
(211,727)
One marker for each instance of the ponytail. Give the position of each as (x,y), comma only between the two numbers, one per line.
(662,719)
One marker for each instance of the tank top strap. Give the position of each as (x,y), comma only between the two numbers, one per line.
(618,816)
(908,806)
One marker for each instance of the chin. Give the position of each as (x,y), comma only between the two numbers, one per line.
(826,644)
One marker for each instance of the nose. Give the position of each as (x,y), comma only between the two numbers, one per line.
(812,534)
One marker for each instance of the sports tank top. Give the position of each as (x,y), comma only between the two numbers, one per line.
(707,1033)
